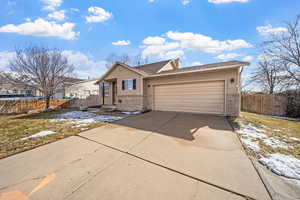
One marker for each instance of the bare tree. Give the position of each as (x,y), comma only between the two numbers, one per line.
(285,47)
(269,75)
(125,58)
(112,58)
(43,69)
(139,60)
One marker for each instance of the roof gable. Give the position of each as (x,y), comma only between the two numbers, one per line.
(118,64)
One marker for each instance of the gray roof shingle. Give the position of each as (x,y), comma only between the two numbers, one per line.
(151,68)
(206,66)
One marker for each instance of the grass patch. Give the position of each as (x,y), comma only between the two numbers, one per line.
(13,127)
(281,129)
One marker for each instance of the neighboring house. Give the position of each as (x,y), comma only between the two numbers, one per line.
(166,86)
(82,89)
(19,90)
(61,92)
(7,88)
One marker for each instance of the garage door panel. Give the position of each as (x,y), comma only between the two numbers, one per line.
(191,95)
(199,92)
(190,89)
(192,110)
(204,97)
(202,101)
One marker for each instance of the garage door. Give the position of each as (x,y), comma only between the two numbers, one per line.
(200,97)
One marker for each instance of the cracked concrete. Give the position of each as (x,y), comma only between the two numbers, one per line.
(149,156)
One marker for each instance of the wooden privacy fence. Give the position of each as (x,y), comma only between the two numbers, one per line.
(93,100)
(265,104)
(24,106)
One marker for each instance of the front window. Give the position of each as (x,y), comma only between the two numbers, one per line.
(129,84)
(106,89)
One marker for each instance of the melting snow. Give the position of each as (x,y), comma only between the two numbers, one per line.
(252,132)
(282,165)
(275,143)
(131,112)
(39,134)
(295,139)
(79,118)
(250,144)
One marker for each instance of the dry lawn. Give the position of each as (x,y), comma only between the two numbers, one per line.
(273,127)
(13,127)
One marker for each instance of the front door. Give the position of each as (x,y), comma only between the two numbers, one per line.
(114,92)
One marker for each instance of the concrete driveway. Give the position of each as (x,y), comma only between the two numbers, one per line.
(157,155)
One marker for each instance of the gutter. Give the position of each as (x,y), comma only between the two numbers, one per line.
(199,70)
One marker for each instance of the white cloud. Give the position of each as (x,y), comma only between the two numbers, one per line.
(206,44)
(97,14)
(85,66)
(5,57)
(185,2)
(121,43)
(226,1)
(173,54)
(51,5)
(173,44)
(163,51)
(227,56)
(57,15)
(196,63)
(151,1)
(270,30)
(41,27)
(154,40)
(248,58)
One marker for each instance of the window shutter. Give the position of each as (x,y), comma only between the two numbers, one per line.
(134,84)
(123,85)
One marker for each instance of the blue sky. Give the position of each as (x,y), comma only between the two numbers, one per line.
(197,31)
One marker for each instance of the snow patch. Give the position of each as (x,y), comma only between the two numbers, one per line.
(131,112)
(283,165)
(250,131)
(294,139)
(39,134)
(248,143)
(79,118)
(275,143)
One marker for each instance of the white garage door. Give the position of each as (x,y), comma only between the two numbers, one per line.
(200,97)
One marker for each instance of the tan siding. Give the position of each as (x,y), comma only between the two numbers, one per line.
(232,96)
(126,99)
(143,98)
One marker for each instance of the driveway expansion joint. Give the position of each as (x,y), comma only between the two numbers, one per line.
(170,169)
